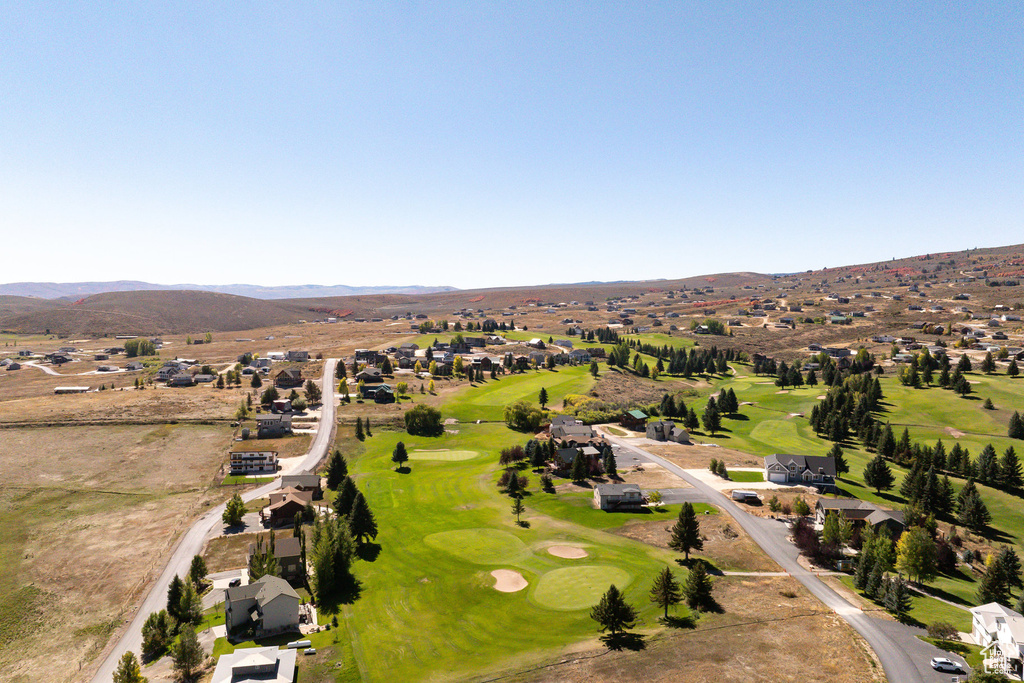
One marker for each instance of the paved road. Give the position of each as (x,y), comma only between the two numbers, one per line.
(192,542)
(904,657)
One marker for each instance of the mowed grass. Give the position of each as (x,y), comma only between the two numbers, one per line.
(428,602)
(449,456)
(746,476)
(487,401)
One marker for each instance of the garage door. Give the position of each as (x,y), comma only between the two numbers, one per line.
(777,476)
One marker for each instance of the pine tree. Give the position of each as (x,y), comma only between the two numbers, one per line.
(897,598)
(973,513)
(346,497)
(865,563)
(399,456)
(988,466)
(128,670)
(988,365)
(874,587)
(1012,370)
(666,591)
(174,592)
(613,613)
(994,585)
(877,474)
(191,609)
(686,532)
(362,524)
(359,429)
(840,460)
(337,467)
(1016,430)
(187,654)
(712,419)
(1009,469)
(697,588)
(542,399)
(518,508)
(197,570)
(610,466)
(580,467)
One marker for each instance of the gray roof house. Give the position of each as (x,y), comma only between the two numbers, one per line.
(267,606)
(861,511)
(273,425)
(618,496)
(811,470)
(666,430)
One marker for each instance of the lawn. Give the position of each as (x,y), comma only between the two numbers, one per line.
(926,610)
(428,602)
(746,476)
(487,400)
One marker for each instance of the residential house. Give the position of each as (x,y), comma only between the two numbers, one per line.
(634,420)
(283,511)
(380,393)
(288,552)
(273,425)
(618,497)
(64,390)
(811,470)
(579,356)
(573,434)
(297,356)
(537,358)
(265,664)
(181,379)
(13,365)
(267,606)
(134,365)
(304,481)
(253,462)
(861,513)
(1000,633)
(666,430)
(288,378)
(370,375)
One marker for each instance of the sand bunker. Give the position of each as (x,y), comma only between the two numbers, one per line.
(568,552)
(508,581)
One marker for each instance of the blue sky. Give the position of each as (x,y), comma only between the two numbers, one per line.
(490,144)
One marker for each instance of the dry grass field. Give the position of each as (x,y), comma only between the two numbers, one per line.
(726,544)
(742,644)
(695,457)
(90,513)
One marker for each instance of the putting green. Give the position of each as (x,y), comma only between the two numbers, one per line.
(481,546)
(442,455)
(574,588)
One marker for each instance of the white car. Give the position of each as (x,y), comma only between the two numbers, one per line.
(943,664)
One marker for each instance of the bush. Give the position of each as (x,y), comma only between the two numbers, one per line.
(801,507)
(424,421)
(522,416)
(773,504)
(546,482)
(941,630)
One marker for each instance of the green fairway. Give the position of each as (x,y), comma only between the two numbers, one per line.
(574,588)
(480,546)
(450,456)
(487,400)
(427,600)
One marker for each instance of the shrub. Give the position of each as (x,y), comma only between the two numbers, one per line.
(941,630)
(424,421)
(522,416)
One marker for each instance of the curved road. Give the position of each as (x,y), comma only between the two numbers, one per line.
(191,542)
(889,640)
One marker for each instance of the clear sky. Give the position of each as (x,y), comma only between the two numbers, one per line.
(488,144)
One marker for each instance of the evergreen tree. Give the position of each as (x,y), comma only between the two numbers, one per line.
(1016,430)
(359,429)
(973,513)
(580,467)
(666,591)
(610,466)
(697,588)
(874,587)
(988,466)
(686,532)
(518,508)
(362,524)
(812,379)
(191,609)
(877,474)
(712,419)
(542,399)
(128,670)
(174,592)
(994,585)
(691,423)
(399,456)
(337,467)
(613,612)
(156,633)
(256,382)
(1012,370)
(865,563)
(897,598)
(964,364)
(840,460)
(1009,469)
(988,365)
(346,497)
(944,379)
(197,570)
(187,654)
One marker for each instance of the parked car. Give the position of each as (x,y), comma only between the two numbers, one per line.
(234,582)
(947,665)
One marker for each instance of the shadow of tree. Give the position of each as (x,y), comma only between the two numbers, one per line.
(679,622)
(624,641)
(368,552)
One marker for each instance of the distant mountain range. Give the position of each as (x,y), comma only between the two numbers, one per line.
(76,290)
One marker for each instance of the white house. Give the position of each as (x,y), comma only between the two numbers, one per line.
(1000,632)
(269,664)
(253,462)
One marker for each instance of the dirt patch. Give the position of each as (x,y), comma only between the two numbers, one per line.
(508,581)
(786,497)
(698,457)
(726,544)
(568,552)
(955,433)
(624,388)
(762,636)
(651,476)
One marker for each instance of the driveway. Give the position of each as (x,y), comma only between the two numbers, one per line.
(904,658)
